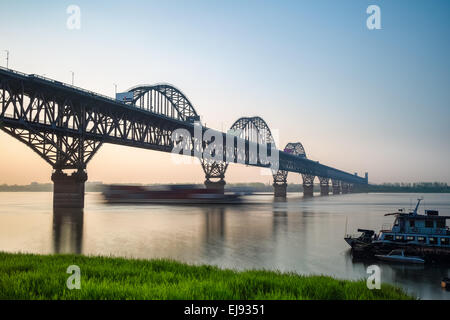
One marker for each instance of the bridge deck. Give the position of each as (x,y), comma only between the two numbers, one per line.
(100,118)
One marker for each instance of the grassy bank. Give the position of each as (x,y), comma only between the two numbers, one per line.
(27,276)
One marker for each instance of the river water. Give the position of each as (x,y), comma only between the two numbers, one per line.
(305,235)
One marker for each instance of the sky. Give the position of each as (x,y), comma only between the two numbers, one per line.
(359,100)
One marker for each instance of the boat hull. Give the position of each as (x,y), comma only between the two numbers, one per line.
(415,260)
(122,194)
(430,254)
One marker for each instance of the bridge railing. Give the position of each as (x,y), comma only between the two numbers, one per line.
(59,83)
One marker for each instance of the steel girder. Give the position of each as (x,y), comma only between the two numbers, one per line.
(68,132)
(66,125)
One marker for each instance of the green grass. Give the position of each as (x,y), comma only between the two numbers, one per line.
(28,276)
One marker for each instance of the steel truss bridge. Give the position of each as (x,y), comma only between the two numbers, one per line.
(67,125)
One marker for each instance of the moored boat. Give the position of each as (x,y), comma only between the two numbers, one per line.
(423,235)
(399,256)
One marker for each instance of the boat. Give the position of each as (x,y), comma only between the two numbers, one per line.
(167,194)
(399,256)
(423,235)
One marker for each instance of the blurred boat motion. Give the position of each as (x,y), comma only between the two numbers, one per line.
(167,194)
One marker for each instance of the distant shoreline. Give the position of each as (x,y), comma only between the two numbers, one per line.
(434,187)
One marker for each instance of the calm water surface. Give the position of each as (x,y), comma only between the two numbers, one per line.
(301,235)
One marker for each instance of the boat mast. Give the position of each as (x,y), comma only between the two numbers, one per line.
(417,206)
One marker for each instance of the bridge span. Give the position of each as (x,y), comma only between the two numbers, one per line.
(67,125)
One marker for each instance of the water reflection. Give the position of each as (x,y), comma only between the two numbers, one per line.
(301,235)
(68,230)
(280,217)
(214,231)
(410,276)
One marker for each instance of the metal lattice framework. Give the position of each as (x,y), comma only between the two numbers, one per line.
(163,99)
(61,151)
(252,129)
(66,130)
(67,125)
(296,149)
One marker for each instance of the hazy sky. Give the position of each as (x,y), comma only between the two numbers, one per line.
(358,99)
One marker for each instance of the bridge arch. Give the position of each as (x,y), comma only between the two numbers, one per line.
(280,178)
(252,129)
(164,99)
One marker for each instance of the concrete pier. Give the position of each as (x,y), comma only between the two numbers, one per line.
(344,187)
(68,190)
(308,190)
(308,185)
(324,190)
(336,185)
(218,186)
(324,186)
(280,190)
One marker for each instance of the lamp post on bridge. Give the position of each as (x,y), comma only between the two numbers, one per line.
(73,76)
(115,90)
(7,59)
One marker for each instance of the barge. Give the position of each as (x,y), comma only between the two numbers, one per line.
(167,194)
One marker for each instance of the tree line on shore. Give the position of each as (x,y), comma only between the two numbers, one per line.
(419,187)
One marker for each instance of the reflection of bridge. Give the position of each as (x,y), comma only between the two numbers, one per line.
(67,125)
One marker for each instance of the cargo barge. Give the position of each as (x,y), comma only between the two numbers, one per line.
(167,194)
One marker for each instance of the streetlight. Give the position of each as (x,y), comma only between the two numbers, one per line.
(7,59)
(73,75)
(115,90)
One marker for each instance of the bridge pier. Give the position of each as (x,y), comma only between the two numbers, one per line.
(344,187)
(280,184)
(336,185)
(324,186)
(280,190)
(68,190)
(218,186)
(308,185)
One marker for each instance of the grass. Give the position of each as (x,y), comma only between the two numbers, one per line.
(29,276)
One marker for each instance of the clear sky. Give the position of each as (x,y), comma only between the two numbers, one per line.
(358,99)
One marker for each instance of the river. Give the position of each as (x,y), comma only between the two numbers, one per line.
(304,235)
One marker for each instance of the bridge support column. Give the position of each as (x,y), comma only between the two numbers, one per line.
(280,190)
(214,174)
(336,184)
(280,184)
(218,186)
(308,185)
(344,187)
(324,186)
(68,190)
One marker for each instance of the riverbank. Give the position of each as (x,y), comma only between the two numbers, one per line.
(29,276)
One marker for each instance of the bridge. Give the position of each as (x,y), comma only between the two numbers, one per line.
(66,125)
